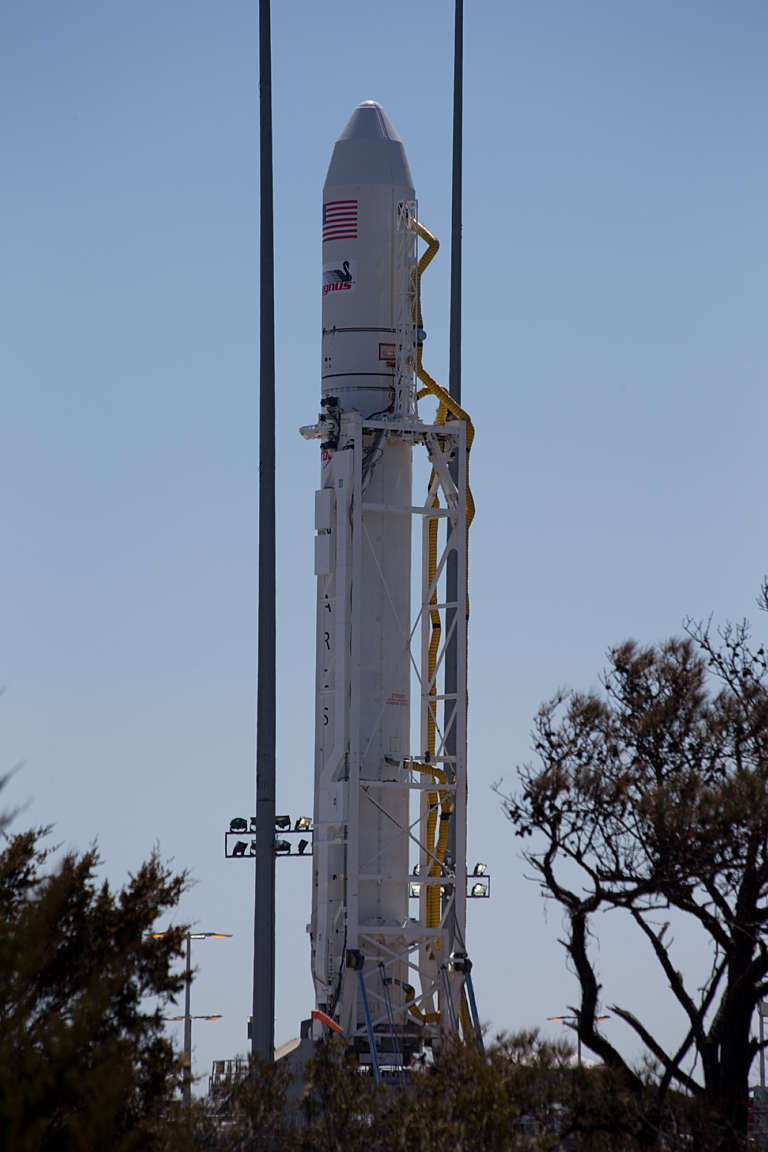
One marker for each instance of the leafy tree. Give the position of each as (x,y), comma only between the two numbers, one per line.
(83,1062)
(650,797)
(521,1094)
(249,1114)
(487,1101)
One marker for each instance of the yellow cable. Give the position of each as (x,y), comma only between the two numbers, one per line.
(445,404)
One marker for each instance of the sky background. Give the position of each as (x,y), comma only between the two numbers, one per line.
(615,366)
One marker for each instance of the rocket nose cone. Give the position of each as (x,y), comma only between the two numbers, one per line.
(369,151)
(369,121)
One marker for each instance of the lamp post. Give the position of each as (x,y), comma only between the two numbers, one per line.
(762,1011)
(187,1017)
(573,1022)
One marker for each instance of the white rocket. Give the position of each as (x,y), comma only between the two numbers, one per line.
(388,900)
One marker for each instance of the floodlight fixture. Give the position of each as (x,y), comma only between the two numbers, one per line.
(479,889)
(282,822)
(282,847)
(459,961)
(303,845)
(238,824)
(239,848)
(480,870)
(253,847)
(303,824)
(414,891)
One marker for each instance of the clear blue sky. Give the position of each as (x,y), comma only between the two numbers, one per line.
(615,365)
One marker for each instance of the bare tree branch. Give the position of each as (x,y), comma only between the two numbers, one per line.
(653,1046)
(654,794)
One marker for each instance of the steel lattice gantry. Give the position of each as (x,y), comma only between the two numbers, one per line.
(380,794)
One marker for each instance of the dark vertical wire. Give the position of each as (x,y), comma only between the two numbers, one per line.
(452,703)
(263,1025)
(454,370)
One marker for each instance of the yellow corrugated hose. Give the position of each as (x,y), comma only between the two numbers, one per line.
(436,850)
(441,799)
(446,404)
(436,847)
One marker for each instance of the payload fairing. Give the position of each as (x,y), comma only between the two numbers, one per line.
(389,871)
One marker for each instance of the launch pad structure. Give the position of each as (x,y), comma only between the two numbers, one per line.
(390,820)
(375,846)
(390,885)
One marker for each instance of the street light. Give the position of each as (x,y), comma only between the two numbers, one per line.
(173,1019)
(187,1017)
(762,1011)
(573,1022)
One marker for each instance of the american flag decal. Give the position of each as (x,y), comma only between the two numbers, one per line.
(340,220)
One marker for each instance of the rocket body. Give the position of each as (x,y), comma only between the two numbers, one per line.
(367,178)
(376,968)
